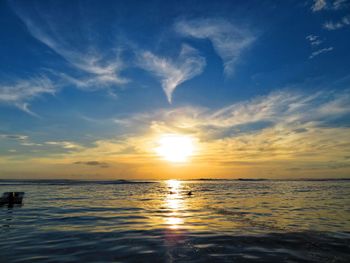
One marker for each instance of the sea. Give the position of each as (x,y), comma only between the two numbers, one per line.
(177,221)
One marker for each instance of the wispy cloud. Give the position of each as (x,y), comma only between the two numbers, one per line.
(336,5)
(330,25)
(16,137)
(283,127)
(285,108)
(339,4)
(96,69)
(287,111)
(320,51)
(21,92)
(295,112)
(319,5)
(20,140)
(314,40)
(228,40)
(64,144)
(173,72)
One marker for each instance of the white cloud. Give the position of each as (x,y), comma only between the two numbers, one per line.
(320,51)
(64,144)
(330,25)
(22,92)
(173,72)
(319,5)
(228,40)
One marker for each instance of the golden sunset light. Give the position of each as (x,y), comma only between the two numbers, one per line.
(175,148)
(174,131)
(174,203)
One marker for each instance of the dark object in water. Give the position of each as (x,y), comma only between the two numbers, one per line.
(189,193)
(12,198)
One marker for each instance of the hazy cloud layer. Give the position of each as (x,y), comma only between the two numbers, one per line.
(93,163)
(284,129)
(292,114)
(16,137)
(228,40)
(173,72)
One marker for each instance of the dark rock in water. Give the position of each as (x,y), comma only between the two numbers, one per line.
(12,198)
(189,193)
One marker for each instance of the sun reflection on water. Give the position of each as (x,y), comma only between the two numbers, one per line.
(175,203)
(174,184)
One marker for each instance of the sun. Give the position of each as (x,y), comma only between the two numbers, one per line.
(176,148)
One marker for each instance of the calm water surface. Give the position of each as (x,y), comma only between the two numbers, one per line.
(223,221)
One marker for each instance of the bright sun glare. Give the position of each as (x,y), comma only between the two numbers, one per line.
(175,148)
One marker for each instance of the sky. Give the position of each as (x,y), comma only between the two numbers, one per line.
(88,89)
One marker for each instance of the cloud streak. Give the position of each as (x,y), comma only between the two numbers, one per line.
(228,40)
(14,137)
(64,144)
(320,51)
(93,163)
(173,72)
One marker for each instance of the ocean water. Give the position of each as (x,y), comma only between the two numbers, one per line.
(222,221)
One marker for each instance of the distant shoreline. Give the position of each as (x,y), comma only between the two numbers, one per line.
(270,179)
(123,181)
(72,181)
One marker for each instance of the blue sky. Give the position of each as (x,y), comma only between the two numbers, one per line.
(75,75)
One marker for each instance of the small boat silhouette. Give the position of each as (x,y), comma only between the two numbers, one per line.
(12,198)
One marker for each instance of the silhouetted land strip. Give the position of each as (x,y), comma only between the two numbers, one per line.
(266,179)
(71,182)
(122,181)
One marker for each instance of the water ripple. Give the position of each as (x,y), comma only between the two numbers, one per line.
(221,222)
